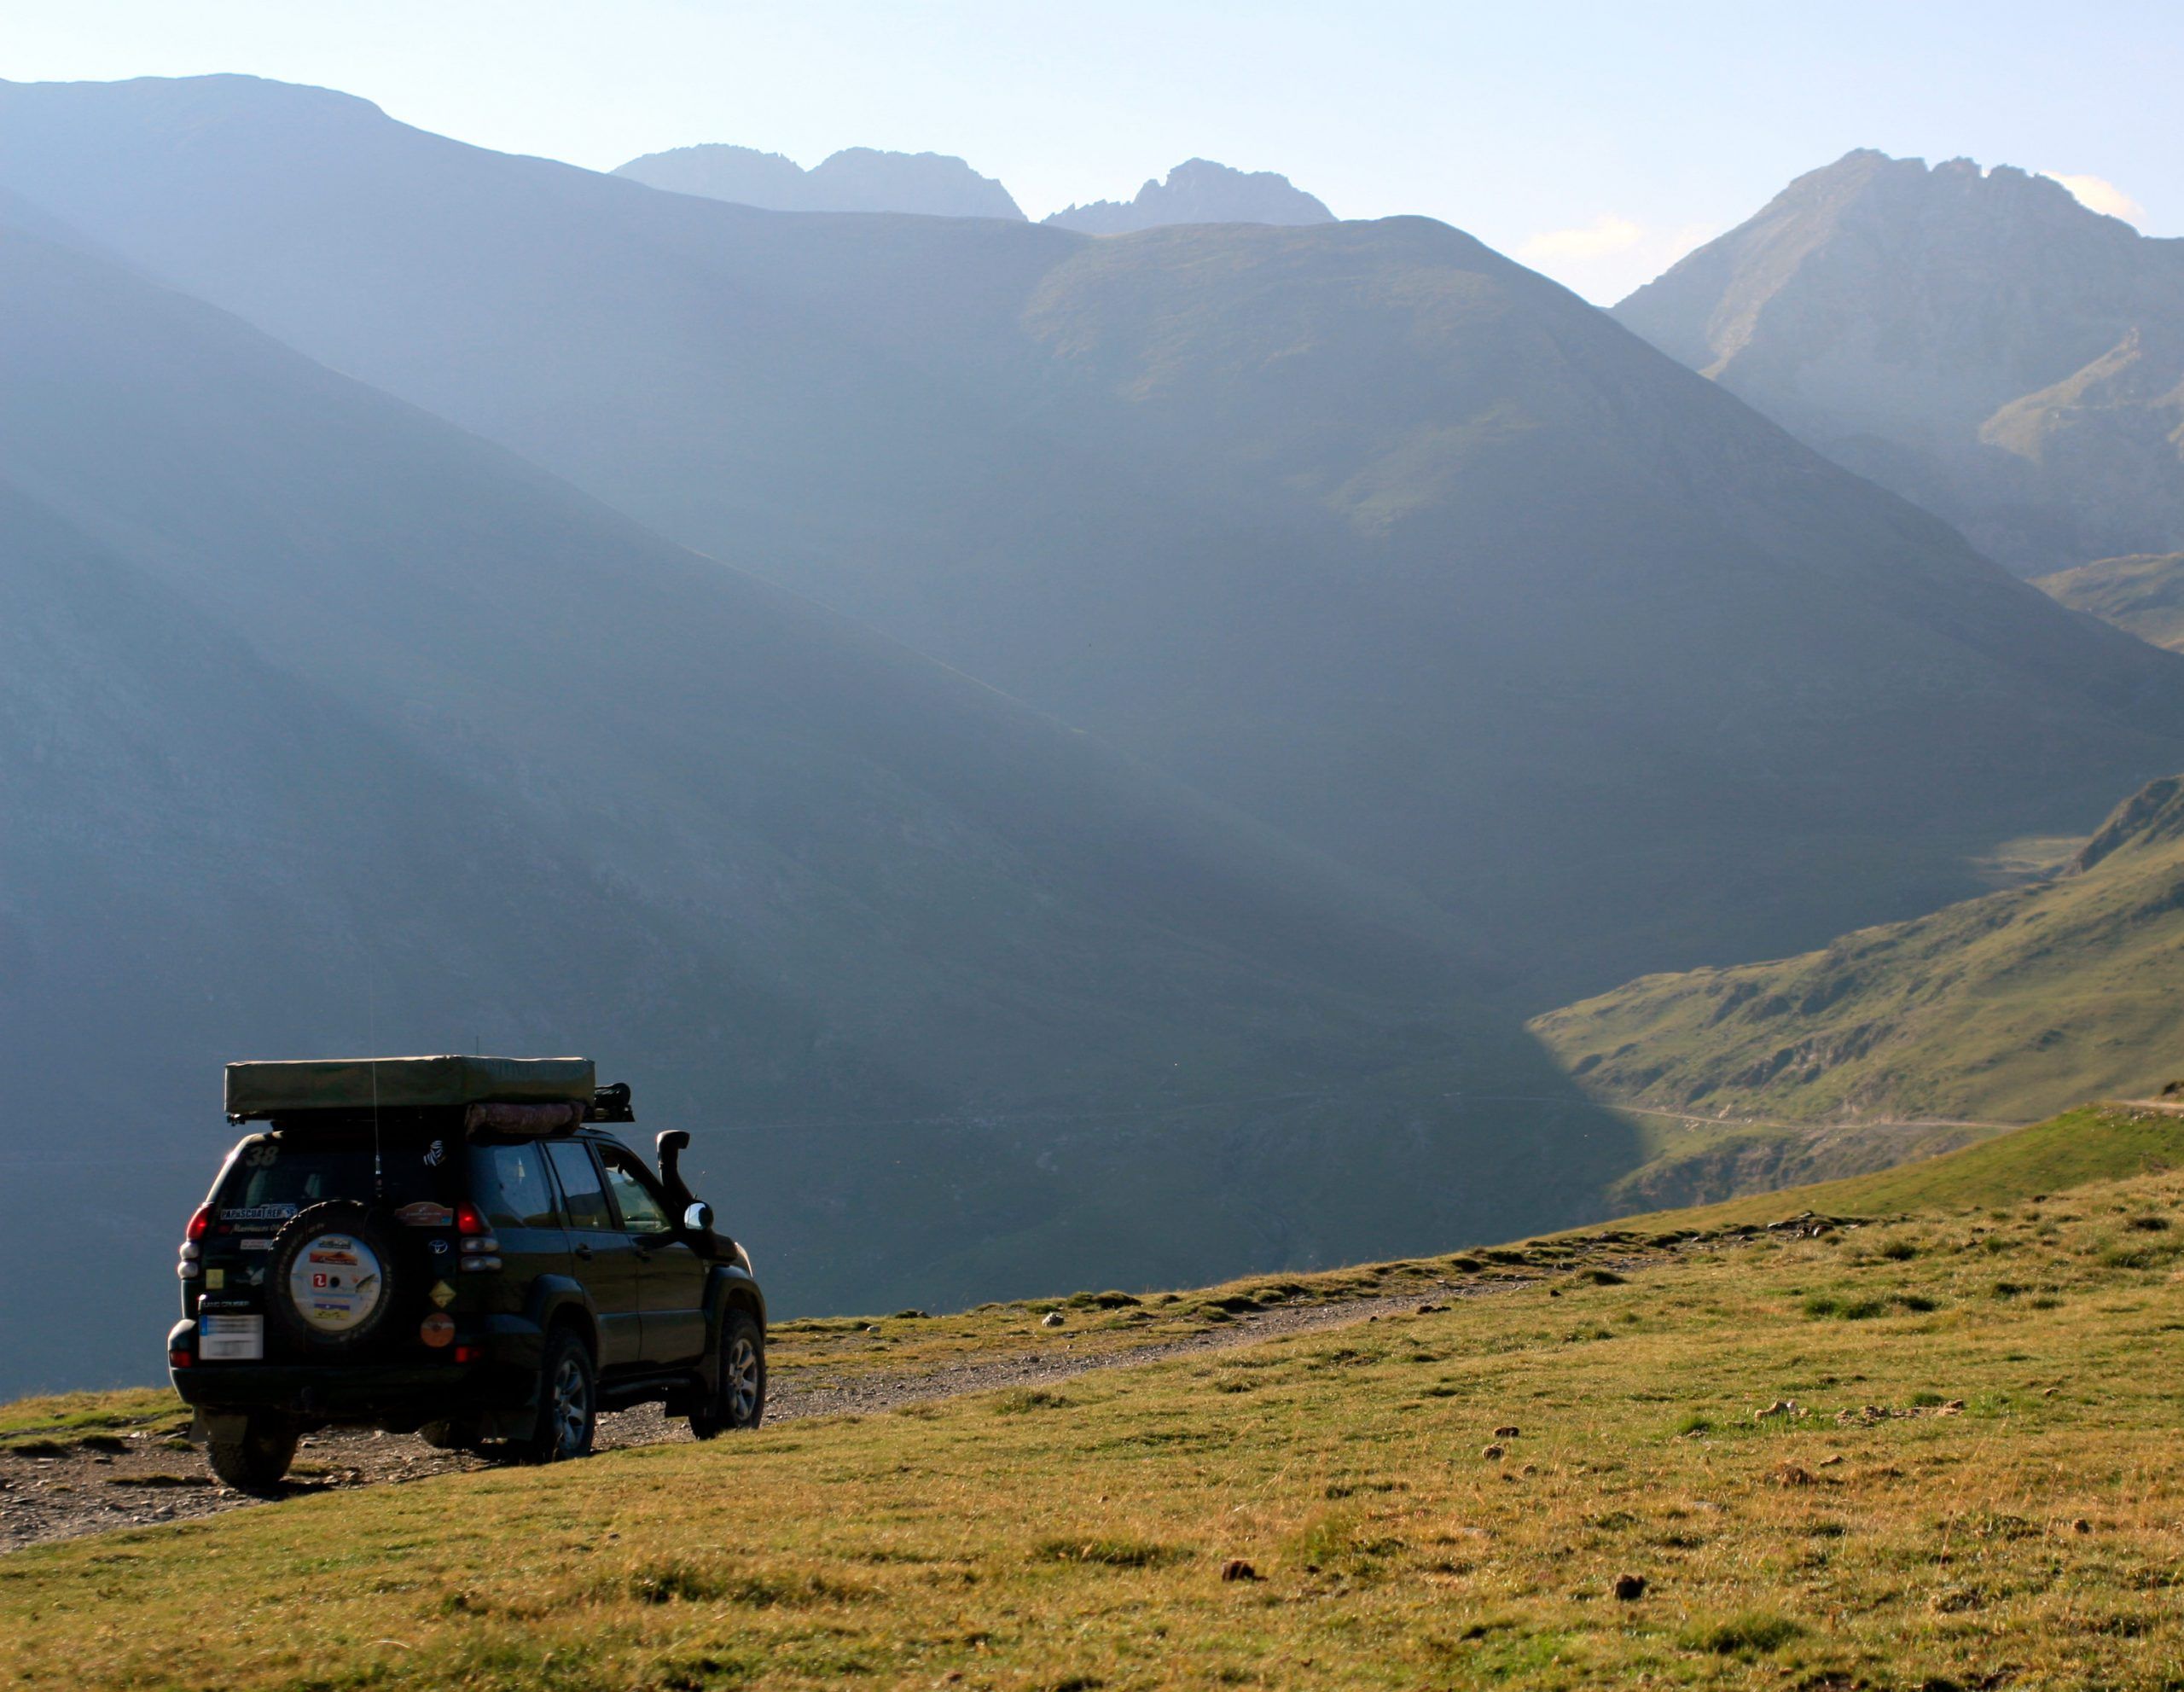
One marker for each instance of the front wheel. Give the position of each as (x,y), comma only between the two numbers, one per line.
(254,1457)
(568,1402)
(740,1400)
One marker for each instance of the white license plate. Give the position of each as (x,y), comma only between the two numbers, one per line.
(231,1339)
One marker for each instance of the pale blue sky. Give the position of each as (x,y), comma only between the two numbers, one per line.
(1595,140)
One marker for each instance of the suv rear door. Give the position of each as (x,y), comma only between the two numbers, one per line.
(671,1276)
(607,1259)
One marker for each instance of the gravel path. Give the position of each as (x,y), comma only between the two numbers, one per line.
(102,1483)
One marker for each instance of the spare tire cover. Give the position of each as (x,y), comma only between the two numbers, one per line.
(332,1278)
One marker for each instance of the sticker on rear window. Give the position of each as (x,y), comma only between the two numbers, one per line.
(259,1213)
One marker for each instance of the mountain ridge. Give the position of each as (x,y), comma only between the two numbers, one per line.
(1977,340)
(1359,528)
(942,984)
(854,179)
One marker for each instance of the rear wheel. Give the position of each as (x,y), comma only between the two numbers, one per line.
(739,1399)
(252,1454)
(568,1401)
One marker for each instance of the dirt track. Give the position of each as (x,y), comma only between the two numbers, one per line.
(103,1484)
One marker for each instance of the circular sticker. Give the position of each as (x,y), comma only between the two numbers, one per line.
(335,1282)
(437,1329)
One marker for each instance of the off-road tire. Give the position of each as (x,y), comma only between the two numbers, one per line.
(369,1228)
(738,1401)
(568,1402)
(255,1460)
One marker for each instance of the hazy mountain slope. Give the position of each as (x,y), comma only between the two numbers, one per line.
(1980,342)
(1199,191)
(202,857)
(2003,1008)
(944,986)
(1362,527)
(2143,595)
(856,179)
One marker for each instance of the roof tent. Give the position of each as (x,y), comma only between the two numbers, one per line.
(257,1091)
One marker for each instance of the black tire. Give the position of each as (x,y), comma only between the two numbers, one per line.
(739,1400)
(453,1436)
(374,1242)
(568,1402)
(255,1460)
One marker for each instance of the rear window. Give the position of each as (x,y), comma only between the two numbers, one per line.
(276,1175)
(513,1186)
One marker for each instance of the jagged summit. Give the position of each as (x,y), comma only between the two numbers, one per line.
(855,179)
(1977,340)
(1199,191)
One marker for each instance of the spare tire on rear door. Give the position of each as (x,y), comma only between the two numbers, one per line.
(332,1279)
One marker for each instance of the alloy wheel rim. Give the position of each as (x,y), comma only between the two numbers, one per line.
(743,1379)
(571,1401)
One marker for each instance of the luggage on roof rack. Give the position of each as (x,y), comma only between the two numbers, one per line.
(258,1090)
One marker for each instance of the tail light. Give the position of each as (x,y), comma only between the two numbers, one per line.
(201,1224)
(468,1353)
(468,1219)
(180,1357)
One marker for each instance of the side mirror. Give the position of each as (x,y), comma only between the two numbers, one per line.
(699,1219)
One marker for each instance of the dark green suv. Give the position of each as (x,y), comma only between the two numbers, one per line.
(458,1247)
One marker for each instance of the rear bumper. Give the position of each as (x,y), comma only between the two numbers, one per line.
(397,1394)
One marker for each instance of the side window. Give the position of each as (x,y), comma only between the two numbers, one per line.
(517,1190)
(642,1213)
(580,1183)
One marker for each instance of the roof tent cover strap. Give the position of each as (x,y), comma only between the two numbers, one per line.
(261,1089)
(522,1120)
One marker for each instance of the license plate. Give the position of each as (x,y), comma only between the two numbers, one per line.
(231,1339)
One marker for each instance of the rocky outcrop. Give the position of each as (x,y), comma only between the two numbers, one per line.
(1977,340)
(856,179)
(1199,191)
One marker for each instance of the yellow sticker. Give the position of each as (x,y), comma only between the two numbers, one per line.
(443,1295)
(215,1279)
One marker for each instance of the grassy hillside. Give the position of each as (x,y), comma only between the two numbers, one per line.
(2010,1006)
(2143,594)
(1931,1451)
(2093,1144)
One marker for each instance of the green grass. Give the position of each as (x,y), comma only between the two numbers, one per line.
(68,1418)
(2020,1004)
(1962,1489)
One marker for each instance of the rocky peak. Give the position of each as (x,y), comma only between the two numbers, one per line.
(1199,191)
(855,179)
(1977,340)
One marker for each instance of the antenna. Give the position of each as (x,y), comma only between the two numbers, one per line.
(371,1032)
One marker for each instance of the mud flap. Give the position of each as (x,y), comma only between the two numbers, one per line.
(205,1425)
